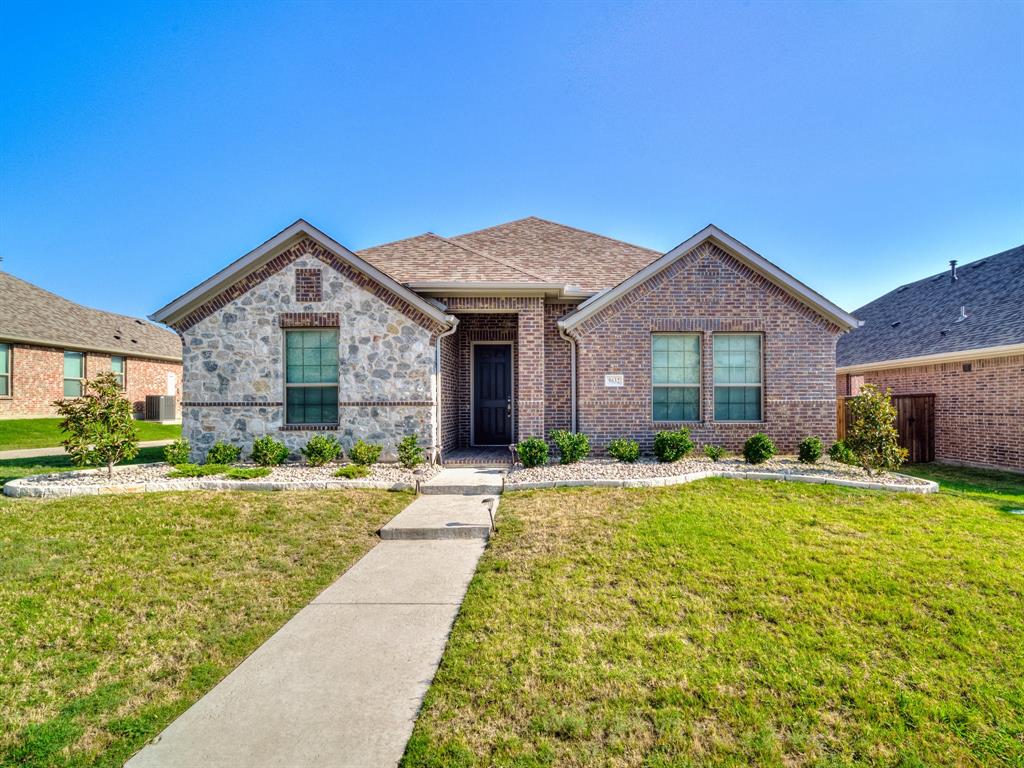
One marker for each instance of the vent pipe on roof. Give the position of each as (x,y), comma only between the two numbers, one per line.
(952,270)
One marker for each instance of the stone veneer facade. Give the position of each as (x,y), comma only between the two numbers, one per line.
(234,368)
(979,406)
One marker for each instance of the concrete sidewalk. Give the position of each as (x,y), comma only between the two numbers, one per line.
(341,683)
(33,453)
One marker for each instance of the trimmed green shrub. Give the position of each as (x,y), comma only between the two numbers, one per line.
(321,449)
(871,432)
(223,453)
(714,452)
(839,452)
(365,453)
(572,446)
(624,450)
(810,450)
(198,470)
(673,445)
(247,473)
(352,471)
(177,452)
(268,452)
(758,448)
(99,427)
(409,452)
(533,452)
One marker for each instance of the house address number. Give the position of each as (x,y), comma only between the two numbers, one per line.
(614,380)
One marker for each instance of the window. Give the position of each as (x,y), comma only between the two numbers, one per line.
(737,376)
(675,374)
(117,366)
(311,362)
(74,374)
(5,370)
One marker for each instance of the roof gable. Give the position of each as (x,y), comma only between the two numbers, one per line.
(230,281)
(734,248)
(924,318)
(32,315)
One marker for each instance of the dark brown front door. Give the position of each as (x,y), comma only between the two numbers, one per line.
(492,394)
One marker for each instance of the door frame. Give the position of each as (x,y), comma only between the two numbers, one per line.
(472,390)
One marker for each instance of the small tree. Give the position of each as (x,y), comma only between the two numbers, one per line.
(99,424)
(871,433)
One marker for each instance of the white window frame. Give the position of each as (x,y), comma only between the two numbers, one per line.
(122,377)
(700,377)
(8,353)
(304,385)
(64,379)
(760,385)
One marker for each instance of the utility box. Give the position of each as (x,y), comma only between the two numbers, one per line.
(160,408)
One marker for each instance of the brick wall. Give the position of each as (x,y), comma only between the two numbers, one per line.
(557,371)
(707,291)
(979,406)
(38,379)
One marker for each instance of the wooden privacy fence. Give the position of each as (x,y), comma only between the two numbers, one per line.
(915,421)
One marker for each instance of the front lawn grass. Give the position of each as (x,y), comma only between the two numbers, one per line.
(12,469)
(16,434)
(734,623)
(118,612)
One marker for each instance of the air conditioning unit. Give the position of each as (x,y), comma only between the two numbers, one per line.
(160,408)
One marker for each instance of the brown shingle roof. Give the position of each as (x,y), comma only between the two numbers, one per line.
(430,257)
(30,314)
(527,250)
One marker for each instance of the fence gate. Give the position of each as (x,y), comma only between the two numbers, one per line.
(915,421)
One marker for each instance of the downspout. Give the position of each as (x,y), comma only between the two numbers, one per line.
(572,374)
(436,456)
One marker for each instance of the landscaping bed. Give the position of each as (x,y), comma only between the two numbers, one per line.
(160,477)
(652,472)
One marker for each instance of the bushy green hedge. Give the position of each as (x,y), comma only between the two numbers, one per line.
(177,452)
(533,452)
(624,450)
(410,454)
(810,450)
(758,448)
(841,453)
(365,454)
(321,449)
(268,452)
(223,453)
(673,445)
(198,470)
(714,452)
(572,446)
(352,471)
(246,473)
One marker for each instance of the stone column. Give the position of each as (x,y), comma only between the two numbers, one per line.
(530,370)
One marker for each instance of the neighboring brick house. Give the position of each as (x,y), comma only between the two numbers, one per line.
(958,335)
(49,346)
(487,338)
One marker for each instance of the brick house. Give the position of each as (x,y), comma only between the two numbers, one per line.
(486,338)
(49,346)
(958,335)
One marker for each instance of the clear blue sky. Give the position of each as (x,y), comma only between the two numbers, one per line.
(857,145)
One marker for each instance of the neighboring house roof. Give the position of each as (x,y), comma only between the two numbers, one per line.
(31,315)
(923,319)
(280,242)
(738,250)
(529,250)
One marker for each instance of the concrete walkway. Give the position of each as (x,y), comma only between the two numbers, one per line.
(342,682)
(33,453)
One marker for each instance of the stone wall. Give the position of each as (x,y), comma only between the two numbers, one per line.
(234,369)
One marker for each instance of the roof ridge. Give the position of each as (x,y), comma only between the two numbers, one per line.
(489,257)
(493,226)
(588,232)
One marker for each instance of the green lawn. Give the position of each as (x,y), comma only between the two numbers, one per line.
(735,623)
(16,434)
(116,613)
(12,469)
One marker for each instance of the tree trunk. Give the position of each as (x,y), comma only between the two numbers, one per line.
(110,470)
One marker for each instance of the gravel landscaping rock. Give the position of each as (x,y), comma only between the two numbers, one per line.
(781,467)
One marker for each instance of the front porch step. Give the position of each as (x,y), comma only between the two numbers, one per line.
(443,517)
(465,481)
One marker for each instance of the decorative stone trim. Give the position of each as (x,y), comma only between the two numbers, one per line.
(384,403)
(309,427)
(309,320)
(309,285)
(655,482)
(306,246)
(233,404)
